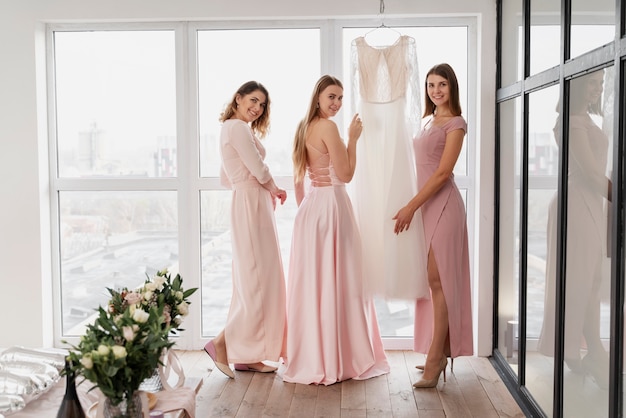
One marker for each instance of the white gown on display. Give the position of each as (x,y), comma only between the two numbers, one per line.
(386,94)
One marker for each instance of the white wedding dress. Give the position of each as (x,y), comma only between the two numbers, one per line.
(386,94)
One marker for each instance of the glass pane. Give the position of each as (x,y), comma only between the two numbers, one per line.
(512,60)
(542,201)
(508,277)
(296,52)
(112,239)
(216,254)
(587,281)
(451,47)
(545,35)
(116,103)
(593,25)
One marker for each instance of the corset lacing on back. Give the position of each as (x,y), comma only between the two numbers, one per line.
(320,168)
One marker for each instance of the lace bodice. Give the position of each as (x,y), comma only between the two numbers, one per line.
(320,168)
(387,74)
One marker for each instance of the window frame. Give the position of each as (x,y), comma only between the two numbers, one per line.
(188,184)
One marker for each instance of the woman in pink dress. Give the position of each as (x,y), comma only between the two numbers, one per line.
(443,324)
(256,324)
(332,329)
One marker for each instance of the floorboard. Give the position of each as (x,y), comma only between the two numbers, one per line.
(474,389)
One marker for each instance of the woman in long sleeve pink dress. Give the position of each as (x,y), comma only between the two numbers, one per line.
(443,324)
(256,324)
(332,329)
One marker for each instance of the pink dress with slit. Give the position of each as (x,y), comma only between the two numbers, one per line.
(332,330)
(445,232)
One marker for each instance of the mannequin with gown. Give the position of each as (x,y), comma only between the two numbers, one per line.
(386,93)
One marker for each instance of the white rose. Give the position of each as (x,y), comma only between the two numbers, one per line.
(119,351)
(103,350)
(148,295)
(183,308)
(87,362)
(150,286)
(140,316)
(179,295)
(159,282)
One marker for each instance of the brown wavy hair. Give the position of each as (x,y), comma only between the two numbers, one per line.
(299,142)
(262,124)
(443,70)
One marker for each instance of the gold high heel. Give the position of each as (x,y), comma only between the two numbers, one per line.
(421,366)
(431,383)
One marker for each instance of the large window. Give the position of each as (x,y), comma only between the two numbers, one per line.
(135,156)
(560,252)
(288,70)
(115,123)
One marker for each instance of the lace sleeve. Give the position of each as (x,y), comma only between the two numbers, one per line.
(355,84)
(414,97)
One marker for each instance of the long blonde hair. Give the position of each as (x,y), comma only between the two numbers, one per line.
(299,142)
(262,124)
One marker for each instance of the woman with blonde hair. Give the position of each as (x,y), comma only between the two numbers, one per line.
(332,329)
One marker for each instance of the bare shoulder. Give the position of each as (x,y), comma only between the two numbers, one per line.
(323,131)
(326,125)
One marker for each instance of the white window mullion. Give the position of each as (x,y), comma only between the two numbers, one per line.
(188,169)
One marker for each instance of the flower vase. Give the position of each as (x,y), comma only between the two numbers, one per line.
(129,407)
(154,383)
(161,378)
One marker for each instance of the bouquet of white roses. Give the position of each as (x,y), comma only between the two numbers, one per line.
(121,349)
(160,290)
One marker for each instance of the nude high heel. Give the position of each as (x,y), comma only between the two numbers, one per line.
(421,366)
(431,383)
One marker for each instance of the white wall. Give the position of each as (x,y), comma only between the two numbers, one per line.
(24,222)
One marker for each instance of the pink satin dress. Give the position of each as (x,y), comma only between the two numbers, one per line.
(332,330)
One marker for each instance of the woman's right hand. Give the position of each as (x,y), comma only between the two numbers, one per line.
(403,219)
(355,129)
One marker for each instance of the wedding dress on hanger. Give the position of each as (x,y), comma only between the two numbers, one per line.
(386,93)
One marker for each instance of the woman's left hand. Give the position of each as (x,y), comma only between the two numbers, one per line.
(281,195)
(403,219)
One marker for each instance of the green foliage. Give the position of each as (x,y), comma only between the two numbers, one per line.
(125,343)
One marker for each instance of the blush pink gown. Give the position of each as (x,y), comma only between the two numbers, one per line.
(256,324)
(332,328)
(445,232)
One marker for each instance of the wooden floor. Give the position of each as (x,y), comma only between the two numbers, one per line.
(473,390)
